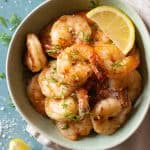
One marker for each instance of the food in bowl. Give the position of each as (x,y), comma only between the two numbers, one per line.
(84,77)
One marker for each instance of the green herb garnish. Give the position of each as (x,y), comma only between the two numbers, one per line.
(53,79)
(64,104)
(85,37)
(5,38)
(54,49)
(66,126)
(57,46)
(2,75)
(117,64)
(74,53)
(3,21)
(86,113)
(93,4)
(54,68)
(72,116)
(62,93)
(14,21)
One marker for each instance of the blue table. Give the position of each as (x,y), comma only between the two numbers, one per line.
(11,124)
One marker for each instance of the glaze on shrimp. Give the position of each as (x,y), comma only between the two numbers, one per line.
(109,114)
(132,82)
(113,61)
(50,85)
(73,64)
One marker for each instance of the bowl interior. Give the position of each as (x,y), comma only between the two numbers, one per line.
(34,22)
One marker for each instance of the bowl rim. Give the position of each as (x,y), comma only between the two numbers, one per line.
(9,86)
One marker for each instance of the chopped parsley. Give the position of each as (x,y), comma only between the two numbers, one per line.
(74,53)
(86,113)
(66,126)
(64,104)
(53,79)
(3,21)
(72,116)
(14,21)
(85,37)
(54,68)
(54,49)
(62,93)
(93,4)
(2,75)
(117,64)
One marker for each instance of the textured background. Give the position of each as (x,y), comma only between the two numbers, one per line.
(11,124)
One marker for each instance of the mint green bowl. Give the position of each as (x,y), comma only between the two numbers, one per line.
(34,22)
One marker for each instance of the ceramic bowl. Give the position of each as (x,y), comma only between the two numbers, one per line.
(34,22)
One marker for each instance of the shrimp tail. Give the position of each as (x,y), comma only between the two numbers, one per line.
(96,68)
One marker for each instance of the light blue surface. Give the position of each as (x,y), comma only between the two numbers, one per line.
(12,124)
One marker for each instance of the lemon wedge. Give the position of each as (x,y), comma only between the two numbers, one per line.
(18,144)
(116,25)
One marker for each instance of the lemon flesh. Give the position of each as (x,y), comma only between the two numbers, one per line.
(18,144)
(116,25)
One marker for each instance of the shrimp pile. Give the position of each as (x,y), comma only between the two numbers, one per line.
(80,79)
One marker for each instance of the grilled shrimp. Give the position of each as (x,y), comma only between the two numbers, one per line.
(35,58)
(80,125)
(73,107)
(50,85)
(75,129)
(115,64)
(35,95)
(132,82)
(68,29)
(61,109)
(73,66)
(109,114)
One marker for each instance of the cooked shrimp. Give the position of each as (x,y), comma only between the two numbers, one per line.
(108,115)
(79,125)
(35,95)
(75,130)
(73,64)
(61,110)
(114,63)
(35,58)
(69,29)
(132,82)
(50,85)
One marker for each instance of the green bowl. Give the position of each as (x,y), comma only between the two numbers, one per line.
(34,22)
